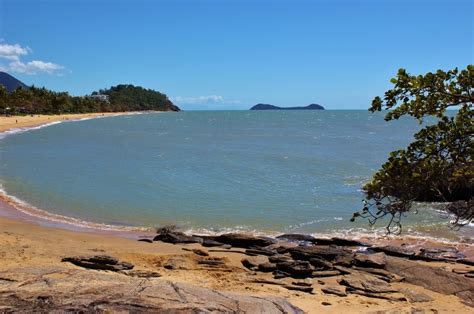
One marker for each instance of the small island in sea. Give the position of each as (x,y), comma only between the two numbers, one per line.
(272,107)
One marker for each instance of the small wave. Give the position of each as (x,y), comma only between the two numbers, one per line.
(35,212)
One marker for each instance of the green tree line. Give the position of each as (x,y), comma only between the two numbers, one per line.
(34,100)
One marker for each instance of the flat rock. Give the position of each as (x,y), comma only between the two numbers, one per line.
(376,260)
(308,252)
(320,263)
(414,296)
(325,273)
(83,291)
(334,290)
(213,243)
(244,240)
(339,242)
(367,283)
(381,273)
(433,278)
(278,258)
(98,262)
(260,251)
(267,267)
(177,237)
(299,288)
(141,273)
(179,263)
(296,237)
(394,251)
(253,262)
(296,268)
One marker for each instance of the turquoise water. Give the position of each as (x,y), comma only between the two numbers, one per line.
(268,171)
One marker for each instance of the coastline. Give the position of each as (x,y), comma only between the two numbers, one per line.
(39,244)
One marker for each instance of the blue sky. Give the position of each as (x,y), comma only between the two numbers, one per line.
(210,54)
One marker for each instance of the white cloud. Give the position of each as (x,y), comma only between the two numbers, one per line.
(14,53)
(214,99)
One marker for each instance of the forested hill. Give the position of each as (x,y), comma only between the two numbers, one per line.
(120,98)
(136,98)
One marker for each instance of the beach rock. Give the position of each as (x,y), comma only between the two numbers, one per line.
(99,262)
(80,291)
(141,273)
(396,297)
(325,303)
(414,296)
(296,237)
(213,261)
(146,240)
(367,283)
(260,251)
(244,240)
(334,290)
(381,273)
(433,278)
(179,262)
(177,237)
(279,258)
(338,242)
(320,264)
(439,254)
(278,274)
(345,260)
(394,251)
(376,260)
(299,288)
(296,268)
(308,252)
(197,251)
(253,262)
(325,273)
(267,267)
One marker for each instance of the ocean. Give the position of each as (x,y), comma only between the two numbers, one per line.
(212,171)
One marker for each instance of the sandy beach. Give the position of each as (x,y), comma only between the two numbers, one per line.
(31,254)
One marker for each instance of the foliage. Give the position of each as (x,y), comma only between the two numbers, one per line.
(438,166)
(35,100)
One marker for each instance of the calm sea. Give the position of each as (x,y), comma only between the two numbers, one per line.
(264,171)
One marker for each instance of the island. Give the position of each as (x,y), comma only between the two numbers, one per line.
(271,107)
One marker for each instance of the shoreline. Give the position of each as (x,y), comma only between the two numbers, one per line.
(33,245)
(14,208)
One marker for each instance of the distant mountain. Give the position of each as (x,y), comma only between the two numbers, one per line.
(271,107)
(10,83)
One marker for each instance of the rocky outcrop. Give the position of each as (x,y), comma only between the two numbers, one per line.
(93,291)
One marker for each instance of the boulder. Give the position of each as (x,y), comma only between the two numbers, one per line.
(99,262)
(338,242)
(244,240)
(414,296)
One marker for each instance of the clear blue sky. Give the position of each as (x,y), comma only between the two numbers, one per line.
(210,54)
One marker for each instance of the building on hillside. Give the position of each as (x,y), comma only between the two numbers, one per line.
(101,97)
